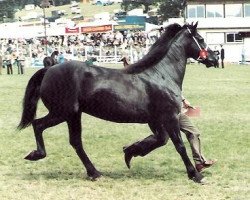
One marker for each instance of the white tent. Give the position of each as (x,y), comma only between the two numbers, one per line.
(15,31)
(150,27)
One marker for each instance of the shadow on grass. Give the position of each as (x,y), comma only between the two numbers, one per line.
(136,173)
(115,175)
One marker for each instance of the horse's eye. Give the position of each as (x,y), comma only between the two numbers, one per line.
(201,40)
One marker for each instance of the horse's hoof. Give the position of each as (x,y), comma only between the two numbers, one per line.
(128,158)
(35,155)
(198,178)
(95,176)
(203,181)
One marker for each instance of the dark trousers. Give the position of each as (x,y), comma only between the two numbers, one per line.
(222,63)
(9,69)
(20,68)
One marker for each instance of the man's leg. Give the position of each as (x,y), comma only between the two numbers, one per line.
(192,134)
(8,69)
(11,69)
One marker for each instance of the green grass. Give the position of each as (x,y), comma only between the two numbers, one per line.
(88,10)
(223,96)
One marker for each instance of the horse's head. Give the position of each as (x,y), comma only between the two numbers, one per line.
(198,49)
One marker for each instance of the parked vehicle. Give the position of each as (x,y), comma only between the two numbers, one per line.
(74,4)
(76,10)
(103,2)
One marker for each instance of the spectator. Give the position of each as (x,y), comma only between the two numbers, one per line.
(1,63)
(243,52)
(9,62)
(222,56)
(61,57)
(216,51)
(20,63)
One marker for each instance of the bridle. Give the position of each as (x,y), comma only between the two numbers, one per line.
(203,51)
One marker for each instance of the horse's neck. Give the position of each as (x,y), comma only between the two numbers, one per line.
(172,66)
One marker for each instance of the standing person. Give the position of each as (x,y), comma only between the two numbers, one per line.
(243,51)
(222,55)
(9,63)
(193,134)
(20,63)
(1,63)
(61,57)
(216,51)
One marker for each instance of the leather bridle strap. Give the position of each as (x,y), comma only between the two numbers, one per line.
(203,52)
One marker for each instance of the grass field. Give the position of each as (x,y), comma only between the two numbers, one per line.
(87,10)
(222,94)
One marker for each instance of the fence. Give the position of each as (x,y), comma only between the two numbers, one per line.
(103,54)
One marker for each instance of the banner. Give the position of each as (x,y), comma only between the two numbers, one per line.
(124,27)
(94,29)
(72,30)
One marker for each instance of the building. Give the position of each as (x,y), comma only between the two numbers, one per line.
(225,22)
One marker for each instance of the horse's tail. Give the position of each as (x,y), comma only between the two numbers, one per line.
(31,97)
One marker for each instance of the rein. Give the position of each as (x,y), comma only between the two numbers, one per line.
(203,52)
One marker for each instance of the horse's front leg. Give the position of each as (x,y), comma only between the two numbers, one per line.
(39,125)
(75,129)
(173,129)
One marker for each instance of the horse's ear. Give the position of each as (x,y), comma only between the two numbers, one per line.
(195,25)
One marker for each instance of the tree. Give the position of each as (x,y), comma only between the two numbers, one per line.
(61,2)
(132,4)
(171,8)
(6,9)
(166,8)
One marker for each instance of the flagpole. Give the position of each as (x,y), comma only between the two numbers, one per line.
(45,4)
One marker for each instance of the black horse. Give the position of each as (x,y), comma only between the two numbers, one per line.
(50,61)
(145,92)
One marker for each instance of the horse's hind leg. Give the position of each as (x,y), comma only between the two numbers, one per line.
(39,125)
(159,138)
(75,129)
(148,144)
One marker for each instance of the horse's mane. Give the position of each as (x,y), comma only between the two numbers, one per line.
(156,52)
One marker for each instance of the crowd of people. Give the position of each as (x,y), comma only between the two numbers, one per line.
(133,44)
(15,51)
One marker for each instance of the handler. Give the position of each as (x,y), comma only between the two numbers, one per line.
(193,134)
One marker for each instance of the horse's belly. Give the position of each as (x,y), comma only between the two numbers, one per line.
(119,117)
(117,109)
